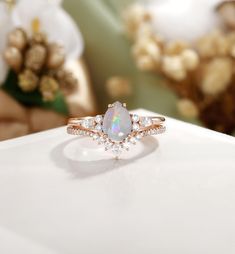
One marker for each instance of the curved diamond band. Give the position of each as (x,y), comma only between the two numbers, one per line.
(117,129)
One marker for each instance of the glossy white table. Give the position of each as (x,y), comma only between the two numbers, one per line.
(167,196)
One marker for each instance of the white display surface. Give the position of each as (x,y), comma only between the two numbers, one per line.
(170,195)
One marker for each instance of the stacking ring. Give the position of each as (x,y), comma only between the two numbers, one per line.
(117,129)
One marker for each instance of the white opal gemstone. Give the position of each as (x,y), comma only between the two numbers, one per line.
(117,122)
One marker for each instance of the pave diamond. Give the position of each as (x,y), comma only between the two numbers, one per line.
(135,118)
(88,123)
(98,127)
(95,136)
(126,145)
(135,126)
(117,122)
(139,136)
(108,145)
(116,149)
(146,121)
(98,119)
(101,140)
(133,140)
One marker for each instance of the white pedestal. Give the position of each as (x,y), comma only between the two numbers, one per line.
(174,194)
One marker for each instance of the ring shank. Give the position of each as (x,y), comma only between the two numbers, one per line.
(78,120)
(76,129)
(75,126)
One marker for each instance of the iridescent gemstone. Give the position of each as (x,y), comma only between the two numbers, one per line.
(117,122)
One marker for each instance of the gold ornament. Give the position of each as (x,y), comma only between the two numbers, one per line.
(190,59)
(118,87)
(39,62)
(38,38)
(35,57)
(226,9)
(28,81)
(56,56)
(17,38)
(67,81)
(174,68)
(145,63)
(187,108)
(147,54)
(48,87)
(217,76)
(134,17)
(202,73)
(175,47)
(13,57)
(232,51)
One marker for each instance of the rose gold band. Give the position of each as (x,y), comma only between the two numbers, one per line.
(76,127)
(78,120)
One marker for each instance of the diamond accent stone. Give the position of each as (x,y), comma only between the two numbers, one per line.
(101,140)
(135,126)
(98,127)
(98,119)
(135,118)
(108,145)
(88,123)
(133,140)
(116,149)
(126,145)
(139,136)
(117,122)
(95,136)
(146,121)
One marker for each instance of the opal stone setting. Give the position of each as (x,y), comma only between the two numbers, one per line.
(117,122)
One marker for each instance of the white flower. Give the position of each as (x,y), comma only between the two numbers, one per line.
(54,21)
(183,19)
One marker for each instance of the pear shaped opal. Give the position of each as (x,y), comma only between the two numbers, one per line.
(117,122)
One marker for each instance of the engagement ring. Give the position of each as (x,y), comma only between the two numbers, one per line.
(117,129)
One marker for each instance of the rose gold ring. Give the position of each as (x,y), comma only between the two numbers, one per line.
(117,129)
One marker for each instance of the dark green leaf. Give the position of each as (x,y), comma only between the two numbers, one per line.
(33,98)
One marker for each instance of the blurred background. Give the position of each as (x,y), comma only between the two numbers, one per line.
(108,55)
(72,58)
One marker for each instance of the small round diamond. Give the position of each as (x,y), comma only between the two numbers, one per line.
(116,149)
(135,126)
(133,140)
(135,118)
(88,123)
(98,119)
(145,121)
(101,140)
(126,145)
(139,136)
(95,136)
(108,145)
(98,127)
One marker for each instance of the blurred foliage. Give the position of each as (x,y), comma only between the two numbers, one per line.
(33,98)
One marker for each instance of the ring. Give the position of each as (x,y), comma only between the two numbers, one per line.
(117,129)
